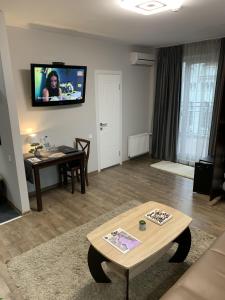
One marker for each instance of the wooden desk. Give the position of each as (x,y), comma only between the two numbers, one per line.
(44,163)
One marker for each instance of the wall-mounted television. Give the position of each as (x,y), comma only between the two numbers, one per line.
(57,84)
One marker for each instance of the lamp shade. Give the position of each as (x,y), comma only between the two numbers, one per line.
(32,139)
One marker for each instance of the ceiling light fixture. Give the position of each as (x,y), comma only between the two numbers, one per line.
(150,7)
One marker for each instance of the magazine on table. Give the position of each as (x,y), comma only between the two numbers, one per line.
(158,216)
(122,240)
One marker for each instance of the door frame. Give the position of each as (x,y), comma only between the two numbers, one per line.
(107,72)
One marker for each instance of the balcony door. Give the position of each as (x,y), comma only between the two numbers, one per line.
(199,73)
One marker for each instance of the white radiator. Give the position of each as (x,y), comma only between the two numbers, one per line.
(138,144)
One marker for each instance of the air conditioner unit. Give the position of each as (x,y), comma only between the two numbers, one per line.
(138,58)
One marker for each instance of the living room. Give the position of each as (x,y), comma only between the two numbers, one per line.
(138,55)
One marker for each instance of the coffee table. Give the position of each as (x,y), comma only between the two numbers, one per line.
(156,240)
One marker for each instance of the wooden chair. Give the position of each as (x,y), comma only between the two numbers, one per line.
(73,168)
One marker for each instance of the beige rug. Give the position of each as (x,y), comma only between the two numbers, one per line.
(58,268)
(175,168)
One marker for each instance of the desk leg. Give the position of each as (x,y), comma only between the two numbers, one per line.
(65,179)
(82,176)
(38,188)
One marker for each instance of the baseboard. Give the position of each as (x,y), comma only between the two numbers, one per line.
(51,187)
(137,157)
(45,189)
(93,173)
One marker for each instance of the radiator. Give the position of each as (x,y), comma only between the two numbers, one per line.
(138,144)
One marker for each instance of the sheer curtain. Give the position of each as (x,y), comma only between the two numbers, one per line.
(200,62)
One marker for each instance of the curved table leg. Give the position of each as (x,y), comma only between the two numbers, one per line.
(94,263)
(184,245)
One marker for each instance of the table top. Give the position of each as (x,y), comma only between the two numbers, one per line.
(153,239)
(51,158)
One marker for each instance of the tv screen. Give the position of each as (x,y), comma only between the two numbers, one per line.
(57,84)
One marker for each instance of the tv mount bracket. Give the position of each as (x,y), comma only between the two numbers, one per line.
(60,63)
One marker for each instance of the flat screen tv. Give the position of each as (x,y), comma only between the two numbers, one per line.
(57,84)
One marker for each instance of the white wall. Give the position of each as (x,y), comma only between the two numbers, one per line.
(152,101)
(63,124)
(11,159)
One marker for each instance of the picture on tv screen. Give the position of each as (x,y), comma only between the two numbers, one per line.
(57,84)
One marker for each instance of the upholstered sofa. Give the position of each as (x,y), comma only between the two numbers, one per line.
(204,280)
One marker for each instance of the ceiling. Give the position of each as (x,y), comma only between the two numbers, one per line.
(197,20)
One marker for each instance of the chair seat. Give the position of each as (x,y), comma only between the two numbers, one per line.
(73,164)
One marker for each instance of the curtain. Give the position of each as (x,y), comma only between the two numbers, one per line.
(218,95)
(167,103)
(200,62)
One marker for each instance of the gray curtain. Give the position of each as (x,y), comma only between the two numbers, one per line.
(167,103)
(218,94)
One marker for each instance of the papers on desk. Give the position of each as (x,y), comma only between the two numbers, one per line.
(56,155)
(50,154)
(33,160)
(44,155)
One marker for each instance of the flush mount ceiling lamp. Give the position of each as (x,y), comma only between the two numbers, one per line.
(150,7)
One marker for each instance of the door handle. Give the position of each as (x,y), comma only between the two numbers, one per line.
(103,124)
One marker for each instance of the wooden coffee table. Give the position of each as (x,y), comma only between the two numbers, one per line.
(156,240)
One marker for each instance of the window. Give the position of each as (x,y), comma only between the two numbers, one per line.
(197,96)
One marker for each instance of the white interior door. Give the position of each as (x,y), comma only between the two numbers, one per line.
(108,94)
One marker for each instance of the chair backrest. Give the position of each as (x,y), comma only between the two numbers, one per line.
(84,145)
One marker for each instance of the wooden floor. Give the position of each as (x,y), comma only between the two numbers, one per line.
(110,188)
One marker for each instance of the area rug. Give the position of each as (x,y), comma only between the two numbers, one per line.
(175,168)
(58,268)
